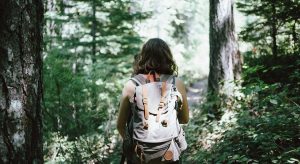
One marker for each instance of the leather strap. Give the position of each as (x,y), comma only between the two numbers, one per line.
(162,100)
(145,101)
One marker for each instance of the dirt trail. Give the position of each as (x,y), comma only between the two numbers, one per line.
(196,92)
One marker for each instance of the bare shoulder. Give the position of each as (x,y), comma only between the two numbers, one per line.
(129,84)
(180,84)
(128,89)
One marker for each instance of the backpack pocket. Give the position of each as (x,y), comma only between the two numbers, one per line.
(151,152)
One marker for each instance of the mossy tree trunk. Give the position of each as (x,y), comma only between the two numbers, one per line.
(21,81)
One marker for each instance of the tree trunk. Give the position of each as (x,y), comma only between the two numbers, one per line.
(93,32)
(225,62)
(294,35)
(274,30)
(21,81)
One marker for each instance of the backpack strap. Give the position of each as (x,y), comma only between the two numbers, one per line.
(145,101)
(169,79)
(162,100)
(140,80)
(173,80)
(137,83)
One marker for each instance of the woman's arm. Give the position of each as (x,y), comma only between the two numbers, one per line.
(183,114)
(124,109)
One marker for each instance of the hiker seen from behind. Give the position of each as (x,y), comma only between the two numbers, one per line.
(152,107)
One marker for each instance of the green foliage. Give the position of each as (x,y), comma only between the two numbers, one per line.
(261,136)
(93,148)
(67,106)
(269,19)
(262,127)
(281,70)
(89,48)
(261,124)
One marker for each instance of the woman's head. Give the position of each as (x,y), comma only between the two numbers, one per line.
(155,55)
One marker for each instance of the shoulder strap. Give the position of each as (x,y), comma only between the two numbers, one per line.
(139,79)
(170,79)
(145,101)
(174,80)
(162,100)
(137,83)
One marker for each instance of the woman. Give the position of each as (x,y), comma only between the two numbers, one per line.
(156,57)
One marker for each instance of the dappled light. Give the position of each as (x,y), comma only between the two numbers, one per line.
(66,68)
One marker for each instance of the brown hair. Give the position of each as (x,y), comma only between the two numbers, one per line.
(155,56)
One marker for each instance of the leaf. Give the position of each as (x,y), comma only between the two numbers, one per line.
(293,160)
(211,115)
(273,101)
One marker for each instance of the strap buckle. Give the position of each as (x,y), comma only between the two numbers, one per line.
(145,100)
(161,105)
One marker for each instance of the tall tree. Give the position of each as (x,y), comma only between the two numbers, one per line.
(21,81)
(224,56)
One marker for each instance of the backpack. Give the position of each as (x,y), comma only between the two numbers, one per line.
(153,132)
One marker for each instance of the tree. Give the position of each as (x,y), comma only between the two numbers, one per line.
(225,59)
(275,24)
(21,81)
(224,56)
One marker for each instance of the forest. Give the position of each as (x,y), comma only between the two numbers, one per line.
(64,63)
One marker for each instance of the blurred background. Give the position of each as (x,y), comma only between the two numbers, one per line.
(89,47)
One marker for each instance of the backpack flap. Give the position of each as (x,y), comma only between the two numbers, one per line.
(160,124)
(153,97)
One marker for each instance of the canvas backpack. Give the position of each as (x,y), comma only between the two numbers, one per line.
(153,130)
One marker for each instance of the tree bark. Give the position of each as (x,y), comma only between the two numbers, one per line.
(21,81)
(225,61)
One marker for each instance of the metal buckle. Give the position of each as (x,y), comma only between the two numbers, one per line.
(161,105)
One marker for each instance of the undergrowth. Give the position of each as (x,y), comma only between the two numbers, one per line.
(263,124)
